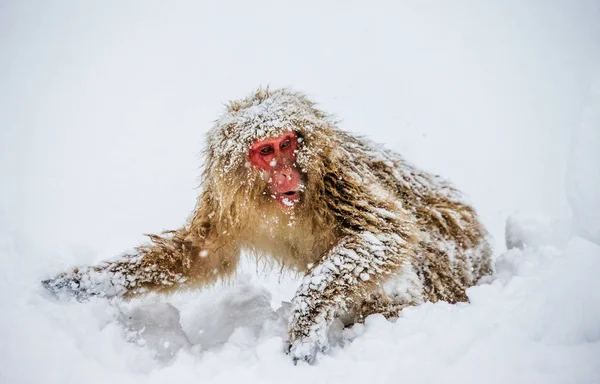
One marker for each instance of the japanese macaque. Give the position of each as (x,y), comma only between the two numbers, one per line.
(370,232)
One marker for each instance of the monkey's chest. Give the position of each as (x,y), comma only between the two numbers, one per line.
(297,250)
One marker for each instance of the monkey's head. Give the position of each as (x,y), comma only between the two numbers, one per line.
(265,151)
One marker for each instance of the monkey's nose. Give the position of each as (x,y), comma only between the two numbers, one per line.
(286,175)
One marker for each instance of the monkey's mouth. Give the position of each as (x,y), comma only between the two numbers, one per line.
(288,198)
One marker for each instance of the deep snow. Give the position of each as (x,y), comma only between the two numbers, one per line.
(536,323)
(103,110)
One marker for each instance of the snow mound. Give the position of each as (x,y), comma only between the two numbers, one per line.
(525,229)
(536,322)
(583,174)
(156,326)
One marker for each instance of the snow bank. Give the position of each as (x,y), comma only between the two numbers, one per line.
(538,322)
(583,174)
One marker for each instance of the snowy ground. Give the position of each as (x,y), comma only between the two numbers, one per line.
(537,323)
(103,108)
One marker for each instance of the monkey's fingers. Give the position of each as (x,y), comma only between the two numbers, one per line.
(83,283)
(304,350)
(67,286)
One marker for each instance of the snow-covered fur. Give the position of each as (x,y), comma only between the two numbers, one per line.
(371,232)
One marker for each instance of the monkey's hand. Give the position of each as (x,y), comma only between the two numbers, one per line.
(84,283)
(308,330)
(161,266)
(346,273)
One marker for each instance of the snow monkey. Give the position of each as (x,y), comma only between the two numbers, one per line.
(370,232)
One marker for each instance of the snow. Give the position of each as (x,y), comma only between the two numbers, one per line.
(537,322)
(584,167)
(102,116)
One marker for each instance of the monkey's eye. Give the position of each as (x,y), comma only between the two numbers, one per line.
(266,150)
(286,144)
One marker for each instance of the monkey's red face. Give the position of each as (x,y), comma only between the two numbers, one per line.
(277,158)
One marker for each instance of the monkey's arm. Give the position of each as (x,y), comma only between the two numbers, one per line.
(350,269)
(173,261)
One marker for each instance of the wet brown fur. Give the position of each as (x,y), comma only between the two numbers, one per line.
(349,190)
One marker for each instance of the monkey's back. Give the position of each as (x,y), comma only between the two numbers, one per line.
(453,251)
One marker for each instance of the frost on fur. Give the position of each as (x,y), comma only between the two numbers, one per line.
(370,232)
